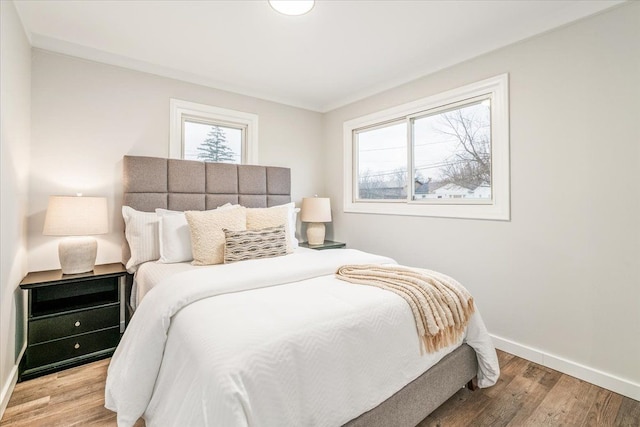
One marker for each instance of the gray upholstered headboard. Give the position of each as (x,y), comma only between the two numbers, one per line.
(181,185)
(153,182)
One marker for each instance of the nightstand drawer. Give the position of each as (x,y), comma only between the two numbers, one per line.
(68,348)
(64,325)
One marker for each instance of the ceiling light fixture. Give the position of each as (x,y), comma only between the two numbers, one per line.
(292,7)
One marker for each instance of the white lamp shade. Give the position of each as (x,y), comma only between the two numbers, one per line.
(316,209)
(76,216)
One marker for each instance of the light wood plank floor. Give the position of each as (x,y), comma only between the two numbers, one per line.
(527,394)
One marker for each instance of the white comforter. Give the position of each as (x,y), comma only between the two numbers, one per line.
(313,351)
(152,273)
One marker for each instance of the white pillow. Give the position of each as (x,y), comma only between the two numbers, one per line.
(292,217)
(175,236)
(141,231)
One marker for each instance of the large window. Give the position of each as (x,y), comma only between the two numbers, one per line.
(212,134)
(446,155)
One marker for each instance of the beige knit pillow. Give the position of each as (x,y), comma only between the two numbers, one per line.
(207,237)
(258,218)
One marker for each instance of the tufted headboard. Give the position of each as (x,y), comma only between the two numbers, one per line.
(153,182)
(181,185)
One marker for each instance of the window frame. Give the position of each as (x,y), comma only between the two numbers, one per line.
(207,114)
(496,88)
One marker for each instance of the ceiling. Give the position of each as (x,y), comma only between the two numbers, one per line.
(338,53)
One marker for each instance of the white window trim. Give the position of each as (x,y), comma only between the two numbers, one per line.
(179,108)
(498,88)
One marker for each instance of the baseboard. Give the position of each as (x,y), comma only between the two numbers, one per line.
(7,390)
(585,373)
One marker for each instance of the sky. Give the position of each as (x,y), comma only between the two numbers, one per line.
(383,150)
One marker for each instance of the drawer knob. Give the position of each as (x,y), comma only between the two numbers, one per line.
(77,323)
(77,346)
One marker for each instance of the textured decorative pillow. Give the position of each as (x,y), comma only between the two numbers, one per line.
(141,231)
(207,237)
(175,236)
(254,244)
(259,218)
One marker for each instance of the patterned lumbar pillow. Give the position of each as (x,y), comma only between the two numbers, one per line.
(260,218)
(253,244)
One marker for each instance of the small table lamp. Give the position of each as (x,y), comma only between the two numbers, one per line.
(79,217)
(316,211)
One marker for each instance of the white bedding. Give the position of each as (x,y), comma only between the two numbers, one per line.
(151,273)
(313,351)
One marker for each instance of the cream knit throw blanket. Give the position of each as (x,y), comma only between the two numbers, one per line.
(440,305)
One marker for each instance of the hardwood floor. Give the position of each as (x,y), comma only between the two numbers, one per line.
(74,397)
(527,394)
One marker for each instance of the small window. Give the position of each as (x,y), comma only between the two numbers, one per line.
(445,155)
(212,134)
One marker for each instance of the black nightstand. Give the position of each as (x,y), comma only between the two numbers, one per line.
(328,244)
(72,318)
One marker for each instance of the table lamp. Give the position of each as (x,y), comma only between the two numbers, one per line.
(78,217)
(316,211)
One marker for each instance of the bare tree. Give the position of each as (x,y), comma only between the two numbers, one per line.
(470,165)
(398,177)
(383,185)
(369,184)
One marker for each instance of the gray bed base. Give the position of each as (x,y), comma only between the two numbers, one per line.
(152,182)
(423,395)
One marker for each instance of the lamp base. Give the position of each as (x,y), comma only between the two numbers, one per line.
(77,254)
(315,233)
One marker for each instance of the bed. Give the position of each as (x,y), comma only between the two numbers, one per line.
(200,347)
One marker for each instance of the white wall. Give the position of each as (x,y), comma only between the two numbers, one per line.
(560,282)
(87,115)
(15,97)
